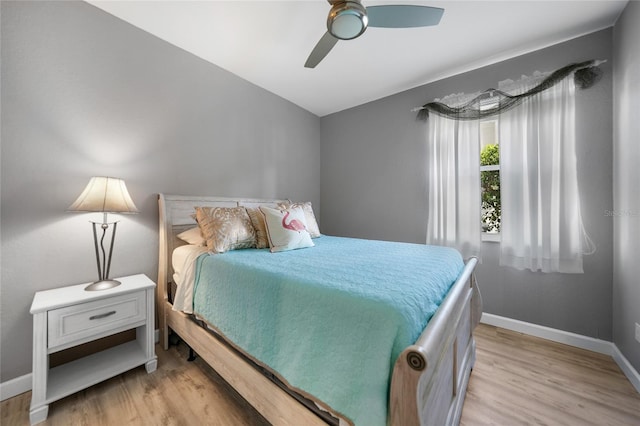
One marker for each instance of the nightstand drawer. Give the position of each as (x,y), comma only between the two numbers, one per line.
(94,319)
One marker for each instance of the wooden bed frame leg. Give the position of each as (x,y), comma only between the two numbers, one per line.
(164,337)
(174,339)
(163,329)
(192,355)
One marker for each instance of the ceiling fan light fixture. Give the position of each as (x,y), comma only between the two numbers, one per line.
(347,20)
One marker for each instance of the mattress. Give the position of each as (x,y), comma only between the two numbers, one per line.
(183,260)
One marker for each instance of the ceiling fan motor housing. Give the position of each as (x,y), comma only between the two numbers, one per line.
(347,19)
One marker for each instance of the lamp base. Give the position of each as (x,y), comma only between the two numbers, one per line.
(102,285)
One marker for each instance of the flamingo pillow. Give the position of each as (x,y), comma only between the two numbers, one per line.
(312,224)
(286,229)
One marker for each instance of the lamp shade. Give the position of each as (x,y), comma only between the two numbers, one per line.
(104,194)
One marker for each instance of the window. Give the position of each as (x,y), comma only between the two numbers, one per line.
(490,179)
(527,167)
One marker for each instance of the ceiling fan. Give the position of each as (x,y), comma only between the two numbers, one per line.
(348,19)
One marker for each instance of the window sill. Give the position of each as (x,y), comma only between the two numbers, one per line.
(490,237)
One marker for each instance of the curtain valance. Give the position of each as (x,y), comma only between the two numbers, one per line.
(586,74)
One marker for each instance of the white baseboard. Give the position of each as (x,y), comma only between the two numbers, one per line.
(14,387)
(22,384)
(572,339)
(548,333)
(627,368)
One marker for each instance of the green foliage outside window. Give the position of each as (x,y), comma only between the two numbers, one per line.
(490,181)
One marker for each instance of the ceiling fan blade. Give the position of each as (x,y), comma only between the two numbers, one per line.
(323,47)
(403,16)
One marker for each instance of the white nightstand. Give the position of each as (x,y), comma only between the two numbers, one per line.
(69,316)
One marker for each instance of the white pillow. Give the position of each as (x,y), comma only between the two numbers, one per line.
(193,236)
(286,229)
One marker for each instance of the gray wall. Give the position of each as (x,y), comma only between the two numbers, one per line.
(374,186)
(86,94)
(626,183)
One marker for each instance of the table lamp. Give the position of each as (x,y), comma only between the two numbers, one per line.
(105,195)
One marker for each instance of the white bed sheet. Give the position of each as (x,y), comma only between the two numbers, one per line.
(183,261)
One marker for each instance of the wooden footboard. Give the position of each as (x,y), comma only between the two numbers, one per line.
(429,378)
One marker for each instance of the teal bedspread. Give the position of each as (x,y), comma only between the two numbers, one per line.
(332,319)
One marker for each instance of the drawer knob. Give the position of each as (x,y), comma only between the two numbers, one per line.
(100,316)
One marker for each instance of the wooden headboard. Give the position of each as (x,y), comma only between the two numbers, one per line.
(176,214)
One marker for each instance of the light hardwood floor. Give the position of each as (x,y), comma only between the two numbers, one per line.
(524,380)
(517,380)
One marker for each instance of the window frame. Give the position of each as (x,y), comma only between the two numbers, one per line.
(488,103)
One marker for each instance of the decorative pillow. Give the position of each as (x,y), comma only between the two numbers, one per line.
(226,228)
(286,229)
(193,236)
(312,224)
(257,220)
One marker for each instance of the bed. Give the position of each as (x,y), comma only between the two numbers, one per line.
(426,380)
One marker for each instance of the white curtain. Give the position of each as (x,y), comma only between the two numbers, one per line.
(453,175)
(541,226)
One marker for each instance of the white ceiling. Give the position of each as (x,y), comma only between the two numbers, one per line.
(267,42)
